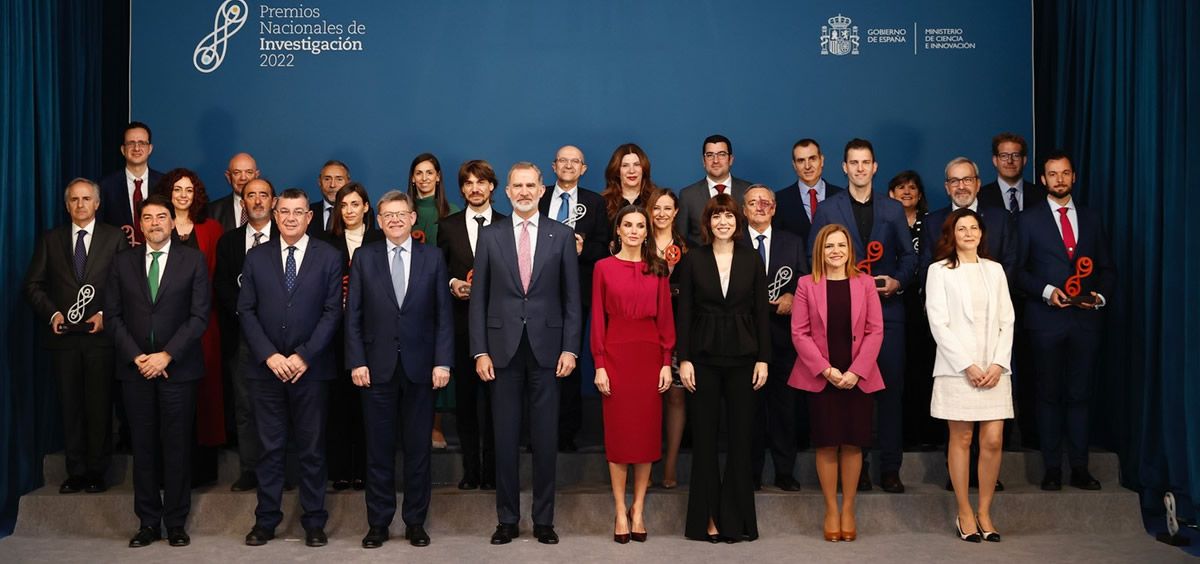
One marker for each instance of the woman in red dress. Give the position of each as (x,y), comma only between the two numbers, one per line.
(633,335)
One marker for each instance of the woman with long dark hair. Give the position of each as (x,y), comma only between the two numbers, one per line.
(626,179)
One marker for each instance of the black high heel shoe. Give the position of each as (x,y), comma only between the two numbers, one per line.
(620,538)
(990,536)
(973,537)
(637,537)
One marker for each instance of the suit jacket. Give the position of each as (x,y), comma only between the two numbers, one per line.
(596,231)
(51,286)
(1001,238)
(176,319)
(810,324)
(785,250)
(1042,260)
(789,208)
(231,255)
(222,210)
(116,208)
(420,331)
(316,227)
(501,310)
(890,228)
(951,313)
(992,196)
(303,321)
(455,243)
(692,200)
(722,329)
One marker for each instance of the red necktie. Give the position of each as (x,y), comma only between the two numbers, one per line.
(812,202)
(720,188)
(1067,232)
(137,204)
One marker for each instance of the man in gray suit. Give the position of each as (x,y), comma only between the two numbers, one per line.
(717,158)
(229,210)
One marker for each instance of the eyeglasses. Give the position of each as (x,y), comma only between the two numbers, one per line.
(388,216)
(565,161)
(136,144)
(1009,157)
(291,213)
(719,155)
(966,180)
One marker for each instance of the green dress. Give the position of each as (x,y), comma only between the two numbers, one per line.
(427,219)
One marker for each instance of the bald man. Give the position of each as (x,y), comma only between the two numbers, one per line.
(228,210)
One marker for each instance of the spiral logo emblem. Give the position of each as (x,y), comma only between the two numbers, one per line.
(86,293)
(210,52)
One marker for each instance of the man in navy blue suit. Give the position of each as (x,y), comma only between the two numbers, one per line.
(290,306)
(775,416)
(525,333)
(878,220)
(798,201)
(962,185)
(157,307)
(399,348)
(1053,236)
(1010,190)
(121,193)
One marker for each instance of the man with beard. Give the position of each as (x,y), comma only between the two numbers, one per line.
(1053,239)
(229,210)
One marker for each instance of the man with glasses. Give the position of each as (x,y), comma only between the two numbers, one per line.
(229,210)
(121,193)
(582,210)
(717,157)
(1010,191)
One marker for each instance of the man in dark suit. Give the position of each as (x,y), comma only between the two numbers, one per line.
(66,285)
(157,307)
(962,185)
(562,202)
(457,236)
(258,198)
(1053,236)
(290,306)
(121,193)
(716,155)
(333,176)
(525,332)
(798,201)
(872,219)
(775,417)
(229,210)
(399,346)
(1010,191)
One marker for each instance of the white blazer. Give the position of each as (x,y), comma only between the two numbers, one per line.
(950,311)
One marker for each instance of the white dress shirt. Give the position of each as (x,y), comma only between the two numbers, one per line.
(87,239)
(533,229)
(129,178)
(405,257)
(162,259)
(301,247)
(712,185)
(766,243)
(473,226)
(266,235)
(556,200)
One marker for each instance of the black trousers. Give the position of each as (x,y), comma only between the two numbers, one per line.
(523,376)
(728,499)
(473,415)
(409,404)
(162,415)
(1064,362)
(775,421)
(85,380)
(295,412)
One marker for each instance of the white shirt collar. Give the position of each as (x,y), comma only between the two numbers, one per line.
(754,233)
(559,190)
(533,220)
(90,227)
(301,245)
(165,250)
(131,177)
(406,245)
(1004,186)
(486,213)
(1070,205)
(712,184)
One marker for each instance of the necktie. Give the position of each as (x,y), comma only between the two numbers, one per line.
(812,203)
(525,257)
(80,254)
(289,270)
(1067,232)
(762,249)
(720,188)
(564,211)
(398,276)
(244,218)
(152,277)
(257,240)
(137,204)
(1013,205)
(479,219)
(328,218)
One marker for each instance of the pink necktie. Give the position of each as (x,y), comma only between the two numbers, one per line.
(524,257)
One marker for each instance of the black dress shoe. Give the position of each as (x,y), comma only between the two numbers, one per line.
(258,536)
(246,482)
(999,486)
(787,484)
(176,536)
(545,534)
(505,534)
(864,480)
(416,535)
(1052,480)
(468,484)
(890,482)
(95,484)
(341,485)
(1082,479)
(375,538)
(74,484)
(145,537)
(487,486)
(315,537)
(358,484)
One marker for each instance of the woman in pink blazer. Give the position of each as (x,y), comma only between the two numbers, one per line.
(837,328)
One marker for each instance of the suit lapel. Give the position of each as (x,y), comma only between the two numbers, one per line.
(378,259)
(308,265)
(170,272)
(540,255)
(856,303)
(508,246)
(823,304)
(415,265)
(845,216)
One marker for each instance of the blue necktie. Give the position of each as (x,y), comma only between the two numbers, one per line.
(398,276)
(1013,206)
(80,254)
(564,211)
(762,249)
(289,271)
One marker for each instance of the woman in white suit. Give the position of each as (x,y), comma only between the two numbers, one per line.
(971,318)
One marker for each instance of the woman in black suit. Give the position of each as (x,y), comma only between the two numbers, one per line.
(346,451)
(724,346)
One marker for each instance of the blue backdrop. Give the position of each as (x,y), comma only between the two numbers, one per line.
(509,81)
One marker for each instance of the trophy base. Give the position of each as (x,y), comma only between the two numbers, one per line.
(880,283)
(1082,299)
(75,328)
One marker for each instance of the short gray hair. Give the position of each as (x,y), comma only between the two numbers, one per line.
(88,181)
(758,187)
(958,161)
(394,196)
(525,165)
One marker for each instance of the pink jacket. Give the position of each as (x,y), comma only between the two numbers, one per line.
(808,334)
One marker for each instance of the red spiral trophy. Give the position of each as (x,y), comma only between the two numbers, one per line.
(673,254)
(470,276)
(1074,285)
(418,236)
(874,253)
